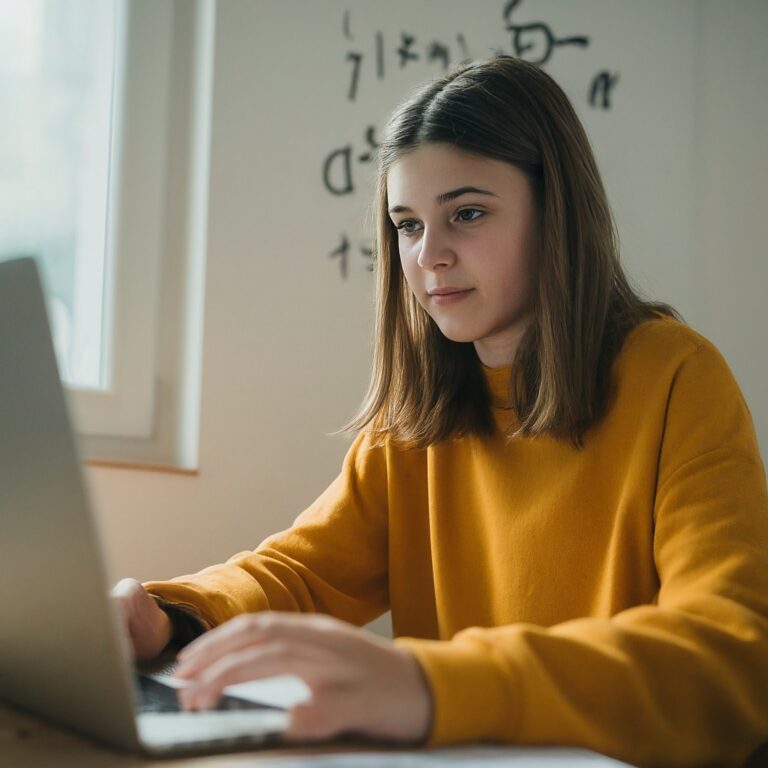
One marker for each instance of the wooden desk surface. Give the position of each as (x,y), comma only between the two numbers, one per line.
(29,743)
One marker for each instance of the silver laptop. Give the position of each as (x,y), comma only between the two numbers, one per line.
(63,655)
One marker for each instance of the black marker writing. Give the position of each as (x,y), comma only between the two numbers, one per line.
(535,41)
(337,166)
(406,54)
(463,45)
(602,84)
(342,253)
(367,251)
(439,51)
(373,145)
(356,59)
(539,36)
(341,157)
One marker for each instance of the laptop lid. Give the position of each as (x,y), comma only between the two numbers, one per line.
(62,654)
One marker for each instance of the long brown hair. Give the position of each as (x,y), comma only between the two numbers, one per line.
(424,387)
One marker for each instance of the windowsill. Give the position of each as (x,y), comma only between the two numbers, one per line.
(141,467)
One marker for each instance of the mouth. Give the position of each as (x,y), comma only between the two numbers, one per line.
(447,291)
(442,296)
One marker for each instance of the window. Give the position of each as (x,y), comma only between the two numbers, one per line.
(104,153)
(56,83)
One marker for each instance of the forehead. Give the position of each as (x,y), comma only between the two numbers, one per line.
(433,169)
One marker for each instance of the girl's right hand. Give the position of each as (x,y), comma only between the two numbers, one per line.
(147,625)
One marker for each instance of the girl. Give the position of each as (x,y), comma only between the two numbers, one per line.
(556,487)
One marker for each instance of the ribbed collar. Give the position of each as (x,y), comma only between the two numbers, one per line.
(498,380)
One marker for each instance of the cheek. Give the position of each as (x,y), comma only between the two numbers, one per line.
(514,264)
(410,268)
(414,278)
(517,281)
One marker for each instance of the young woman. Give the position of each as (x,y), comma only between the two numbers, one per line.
(556,487)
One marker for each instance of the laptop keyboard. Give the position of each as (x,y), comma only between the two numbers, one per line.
(154,696)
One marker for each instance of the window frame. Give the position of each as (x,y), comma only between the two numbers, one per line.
(135,225)
(156,239)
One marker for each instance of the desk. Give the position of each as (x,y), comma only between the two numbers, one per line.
(28,743)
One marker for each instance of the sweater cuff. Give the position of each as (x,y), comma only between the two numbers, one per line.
(187,623)
(472,699)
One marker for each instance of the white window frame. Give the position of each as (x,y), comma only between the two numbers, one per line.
(135,214)
(156,225)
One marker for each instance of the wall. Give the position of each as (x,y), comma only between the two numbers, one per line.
(287,340)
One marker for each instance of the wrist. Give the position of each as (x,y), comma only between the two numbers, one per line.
(421,714)
(184,623)
(166,629)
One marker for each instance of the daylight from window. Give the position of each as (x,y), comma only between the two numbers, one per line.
(56,83)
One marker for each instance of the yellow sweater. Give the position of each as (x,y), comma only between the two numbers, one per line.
(614,598)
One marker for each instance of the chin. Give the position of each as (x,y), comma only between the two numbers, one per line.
(459,335)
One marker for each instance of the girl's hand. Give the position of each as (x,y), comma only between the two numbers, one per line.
(147,626)
(359,683)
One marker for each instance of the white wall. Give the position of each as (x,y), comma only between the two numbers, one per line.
(264,453)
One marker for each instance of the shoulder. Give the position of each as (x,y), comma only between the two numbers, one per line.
(656,351)
(663,339)
(667,365)
(675,395)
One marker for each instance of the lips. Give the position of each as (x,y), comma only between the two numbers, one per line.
(447,291)
(444,297)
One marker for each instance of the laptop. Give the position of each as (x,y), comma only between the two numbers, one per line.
(63,654)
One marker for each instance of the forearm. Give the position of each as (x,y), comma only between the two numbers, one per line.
(649,686)
(333,559)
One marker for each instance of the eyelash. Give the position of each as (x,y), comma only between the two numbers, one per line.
(401,227)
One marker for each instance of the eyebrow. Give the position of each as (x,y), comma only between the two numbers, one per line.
(446,197)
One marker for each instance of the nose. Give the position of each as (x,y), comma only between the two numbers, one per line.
(436,251)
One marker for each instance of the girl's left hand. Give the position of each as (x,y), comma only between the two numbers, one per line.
(359,683)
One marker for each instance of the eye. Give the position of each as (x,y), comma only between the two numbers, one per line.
(408,226)
(469,214)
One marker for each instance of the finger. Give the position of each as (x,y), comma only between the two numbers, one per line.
(126,588)
(129,596)
(123,595)
(125,611)
(274,658)
(316,720)
(250,629)
(236,635)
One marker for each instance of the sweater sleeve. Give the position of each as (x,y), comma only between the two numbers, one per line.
(334,559)
(681,681)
